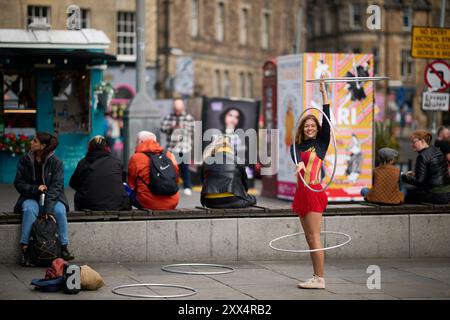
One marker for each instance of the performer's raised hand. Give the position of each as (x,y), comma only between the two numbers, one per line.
(323,88)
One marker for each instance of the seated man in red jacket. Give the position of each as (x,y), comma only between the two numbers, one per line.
(152,162)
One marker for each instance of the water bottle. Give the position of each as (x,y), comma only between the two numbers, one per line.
(42,199)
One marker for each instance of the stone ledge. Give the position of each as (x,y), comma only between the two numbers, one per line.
(356,209)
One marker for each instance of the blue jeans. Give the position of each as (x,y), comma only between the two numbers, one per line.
(30,212)
(364,192)
(186,175)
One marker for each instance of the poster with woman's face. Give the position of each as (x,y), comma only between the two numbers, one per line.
(229,115)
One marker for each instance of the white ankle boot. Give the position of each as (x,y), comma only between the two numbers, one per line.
(314,283)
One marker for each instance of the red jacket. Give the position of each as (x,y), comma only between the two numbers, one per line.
(139,166)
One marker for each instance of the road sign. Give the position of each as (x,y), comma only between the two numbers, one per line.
(437,76)
(433,101)
(430,43)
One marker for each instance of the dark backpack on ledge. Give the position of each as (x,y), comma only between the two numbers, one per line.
(44,245)
(163,175)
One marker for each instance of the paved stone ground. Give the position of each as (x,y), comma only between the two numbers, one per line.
(262,280)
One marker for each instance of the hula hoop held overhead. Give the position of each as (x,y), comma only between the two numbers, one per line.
(331,80)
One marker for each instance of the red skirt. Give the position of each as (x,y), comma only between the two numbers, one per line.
(306,201)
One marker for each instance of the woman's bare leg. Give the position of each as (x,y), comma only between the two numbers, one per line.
(312,224)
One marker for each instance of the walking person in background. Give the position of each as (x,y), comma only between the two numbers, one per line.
(41,172)
(179,128)
(98,180)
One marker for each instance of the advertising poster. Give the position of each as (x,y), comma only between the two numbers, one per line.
(352,110)
(229,115)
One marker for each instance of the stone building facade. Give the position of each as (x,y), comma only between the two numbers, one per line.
(341,26)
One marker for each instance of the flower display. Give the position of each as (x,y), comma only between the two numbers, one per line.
(17,145)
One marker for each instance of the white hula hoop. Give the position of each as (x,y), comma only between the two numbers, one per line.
(313,250)
(335,151)
(168,268)
(348,79)
(193,291)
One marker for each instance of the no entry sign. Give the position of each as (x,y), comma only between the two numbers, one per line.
(437,76)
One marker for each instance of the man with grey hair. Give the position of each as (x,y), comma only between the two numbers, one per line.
(179,128)
(139,176)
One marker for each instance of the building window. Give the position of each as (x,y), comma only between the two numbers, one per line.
(376,60)
(38,12)
(227,85)
(195,16)
(243,30)
(265,30)
(407,18)
(85,18)
(242,86)
(249,85)
(220,22)
(356,16)
(217,84)
(407,64)
(126,36)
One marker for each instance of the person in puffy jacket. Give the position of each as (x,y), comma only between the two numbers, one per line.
(139,175)
(386,179)
(224,181)
(98,180)
(41,172)
(431,180)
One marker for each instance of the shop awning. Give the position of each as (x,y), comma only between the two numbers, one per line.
(36,54)
(54,39)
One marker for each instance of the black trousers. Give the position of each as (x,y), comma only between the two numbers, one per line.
(229,202)
(416,195)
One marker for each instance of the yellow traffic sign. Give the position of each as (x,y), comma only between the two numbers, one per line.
(430,43)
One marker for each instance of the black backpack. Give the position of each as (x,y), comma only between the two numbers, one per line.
(44,245)
(163,175)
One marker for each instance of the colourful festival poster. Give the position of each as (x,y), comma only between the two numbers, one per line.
(352,112)
(290,77)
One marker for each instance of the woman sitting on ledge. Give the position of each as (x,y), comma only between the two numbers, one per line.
(431,180)
(224,181)
(98,180)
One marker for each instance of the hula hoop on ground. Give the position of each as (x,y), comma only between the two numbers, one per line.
(348,79)
(313,250)
(193,291)
(168,268)
(335,151)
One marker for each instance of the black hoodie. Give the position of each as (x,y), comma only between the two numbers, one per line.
(98,182)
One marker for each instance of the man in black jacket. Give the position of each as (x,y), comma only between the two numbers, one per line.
(98,180)
(431,179)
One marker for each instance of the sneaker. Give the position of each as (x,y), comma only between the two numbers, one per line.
(314,283)
(188,192)
(65,254)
